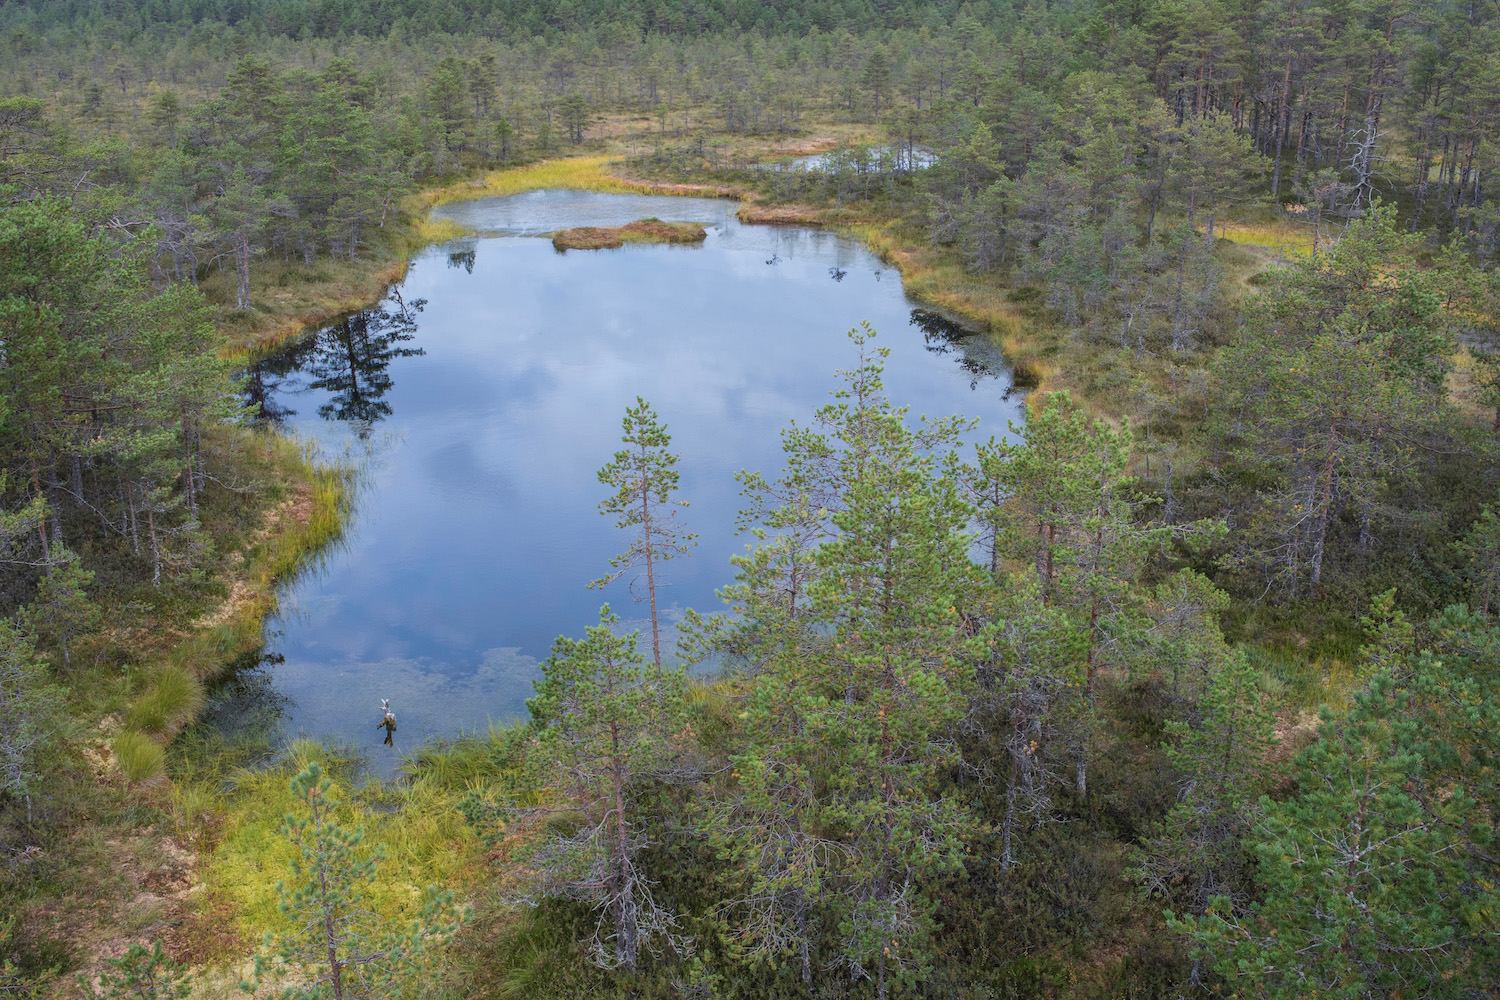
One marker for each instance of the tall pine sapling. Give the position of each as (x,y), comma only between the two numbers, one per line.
(850,712)
(1480,550)
(1196,853)
(644,477)
(29,711)
(62,610)
(1361,887)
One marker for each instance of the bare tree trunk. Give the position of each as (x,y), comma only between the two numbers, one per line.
(627,932)
(802,944)
(1283,120)
(155,546)
(54,501)
(1177,342)
(1320,528)
(1007,858)
(650,568)
(242,270)
(135,538)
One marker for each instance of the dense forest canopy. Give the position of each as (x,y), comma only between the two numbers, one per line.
(1191,689)
(492,18)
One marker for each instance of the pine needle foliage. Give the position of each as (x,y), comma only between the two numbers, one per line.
(339,947)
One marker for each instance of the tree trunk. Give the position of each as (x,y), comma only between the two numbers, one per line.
(1320,529)
(1007,858)
(1283,121)
(242,270)
(802,944)
(54,502)
(627,932)
(135,538)
(155,547)
(650,566)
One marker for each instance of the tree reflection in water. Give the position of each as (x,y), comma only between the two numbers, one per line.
(349,360)
(941,334)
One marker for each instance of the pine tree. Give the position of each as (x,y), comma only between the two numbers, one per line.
(140,974)
(573,109)
(876,80)
(61,610)
(1361,887)
(1339,371)
(1195,855)
(345,950)
(30,713)
(1480,550)
(849,712)
(644,477)
(609,724)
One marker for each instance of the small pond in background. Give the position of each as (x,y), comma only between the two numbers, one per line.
(481,396)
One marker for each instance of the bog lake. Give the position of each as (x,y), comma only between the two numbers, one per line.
(480,397)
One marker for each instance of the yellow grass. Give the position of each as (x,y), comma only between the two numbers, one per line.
(573,173)
(430,230)
(286,298)
(1282,236)
(425,839)
(578,173)
(946,285)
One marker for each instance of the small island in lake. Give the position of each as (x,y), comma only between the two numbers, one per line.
(639,231)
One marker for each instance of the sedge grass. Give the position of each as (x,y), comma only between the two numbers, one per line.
(1284,237)
(140,757)
(174,698)
(946,284)
(574,173)
(423,837)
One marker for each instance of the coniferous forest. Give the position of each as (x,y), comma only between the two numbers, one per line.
(1189,686)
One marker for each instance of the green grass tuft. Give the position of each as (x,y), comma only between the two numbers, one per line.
(140,757)
(174,699)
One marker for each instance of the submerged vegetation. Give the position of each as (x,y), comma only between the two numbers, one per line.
(1191,692)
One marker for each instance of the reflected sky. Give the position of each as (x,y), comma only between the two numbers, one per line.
(486,391)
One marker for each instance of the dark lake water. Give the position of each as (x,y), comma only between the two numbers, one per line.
(486,390)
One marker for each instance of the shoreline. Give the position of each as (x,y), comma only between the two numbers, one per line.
(932,282)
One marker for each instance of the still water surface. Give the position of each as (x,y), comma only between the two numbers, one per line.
(486,390)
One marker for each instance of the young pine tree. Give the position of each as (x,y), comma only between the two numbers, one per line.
(1361,887)
(1072,513)
(1480,550)
(644,477)
(62,610)
(140,974)
(30,709)
(1196,854)
(341,949)
(610,723)
(849,715)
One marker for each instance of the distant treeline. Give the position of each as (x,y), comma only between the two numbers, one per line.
(496,18)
